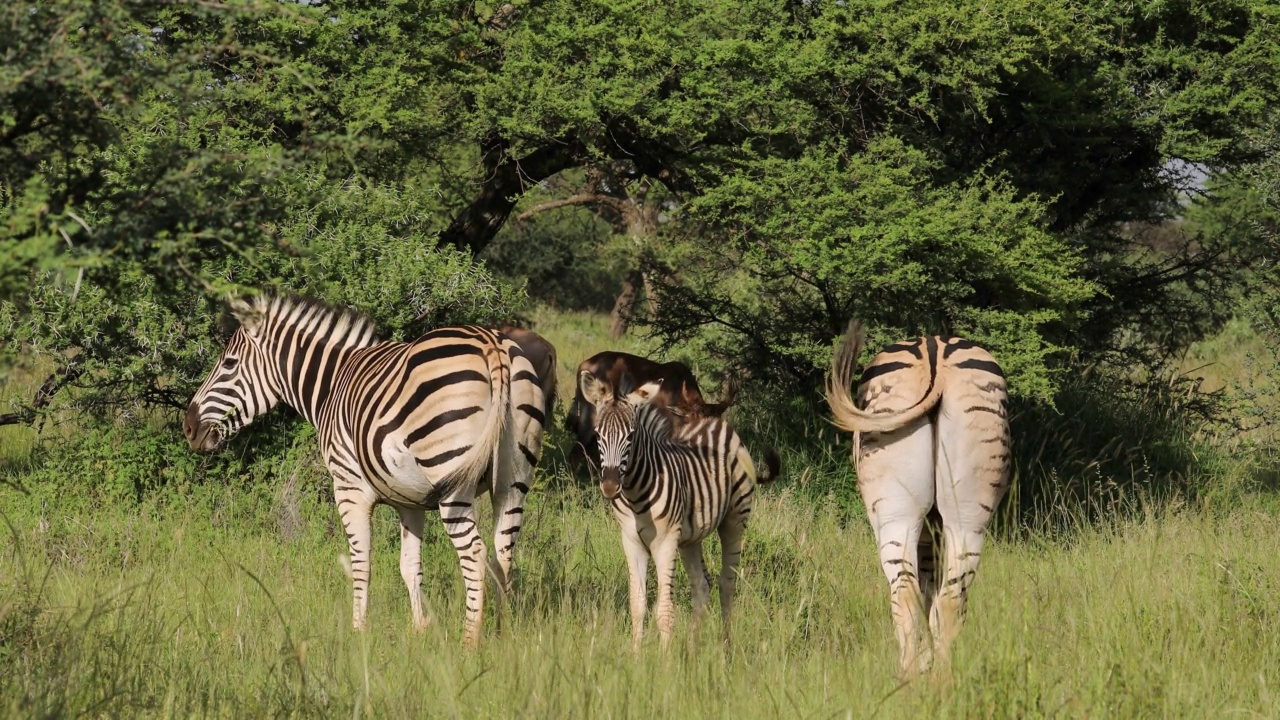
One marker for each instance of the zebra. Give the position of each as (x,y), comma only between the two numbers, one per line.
(542,355)
(931,444)
(420,426)
(678,391)
(670,486)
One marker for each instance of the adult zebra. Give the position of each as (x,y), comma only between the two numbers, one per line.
(422,425)
(670,486)
(931,442)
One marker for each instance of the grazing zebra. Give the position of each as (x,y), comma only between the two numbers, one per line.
(420,426)
(931,438)
(670,487)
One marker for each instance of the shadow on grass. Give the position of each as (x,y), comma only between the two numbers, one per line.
(1110,450)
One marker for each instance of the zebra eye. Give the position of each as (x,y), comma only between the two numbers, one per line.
(230,363)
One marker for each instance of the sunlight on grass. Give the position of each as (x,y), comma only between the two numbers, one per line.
(228,599)
(1172,615)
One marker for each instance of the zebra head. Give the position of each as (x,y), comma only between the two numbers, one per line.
(238,388)
(615,424)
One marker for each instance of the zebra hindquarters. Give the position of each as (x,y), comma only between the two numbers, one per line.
(896,480)
(972,475)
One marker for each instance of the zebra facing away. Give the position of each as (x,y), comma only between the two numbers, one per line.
(931,440)
(419,426)
(670,487)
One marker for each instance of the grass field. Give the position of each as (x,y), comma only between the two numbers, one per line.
(182,606)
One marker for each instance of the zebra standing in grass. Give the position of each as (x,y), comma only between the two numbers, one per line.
(670,488)
(931,439)
(420,426)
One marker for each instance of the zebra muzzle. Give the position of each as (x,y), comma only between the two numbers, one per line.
(610,482)
(202,436)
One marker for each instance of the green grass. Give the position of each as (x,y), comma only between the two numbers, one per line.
(229,600)
(1174,614)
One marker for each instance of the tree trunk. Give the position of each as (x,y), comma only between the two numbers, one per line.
(625,304)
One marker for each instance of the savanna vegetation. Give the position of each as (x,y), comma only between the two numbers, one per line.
(1091,190)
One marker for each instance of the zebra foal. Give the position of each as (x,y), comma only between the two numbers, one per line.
(670,487)
(931,441)
(419,426)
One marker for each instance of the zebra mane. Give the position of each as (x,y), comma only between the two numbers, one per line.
(252,313)
(658,421)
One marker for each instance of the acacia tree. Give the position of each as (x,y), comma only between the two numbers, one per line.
(969,164)
(632,206)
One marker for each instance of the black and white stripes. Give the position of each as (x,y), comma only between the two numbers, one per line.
(931,445)
(420,426)
(670,488)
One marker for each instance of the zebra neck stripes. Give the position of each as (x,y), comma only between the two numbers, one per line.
(310,344)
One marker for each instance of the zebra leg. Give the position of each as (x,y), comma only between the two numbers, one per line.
(411,520)
(509,490)
(972,476)
(895,477)
(664,563)
(637,572)
(699,580)
(730,553)
(458,514)
(355,507)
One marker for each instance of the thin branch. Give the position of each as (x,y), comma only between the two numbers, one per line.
(44,395)
(580,199)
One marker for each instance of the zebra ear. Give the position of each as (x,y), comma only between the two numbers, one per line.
(647,392)
(245,311)
(593,388)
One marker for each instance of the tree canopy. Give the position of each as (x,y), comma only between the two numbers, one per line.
(935,166)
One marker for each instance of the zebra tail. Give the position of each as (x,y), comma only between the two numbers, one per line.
(485,452)
(845,413)
(772,467)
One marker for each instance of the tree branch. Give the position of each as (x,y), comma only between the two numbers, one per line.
(44,395)
(581,199)
(506,178)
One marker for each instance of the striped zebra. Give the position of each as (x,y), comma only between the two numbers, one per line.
(419,426)
(670,486)
(931,443)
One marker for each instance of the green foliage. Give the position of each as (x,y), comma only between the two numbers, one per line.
(784,256)
(569,260)
(118,144)
(133,341)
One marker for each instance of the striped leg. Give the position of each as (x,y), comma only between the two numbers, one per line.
(730,553)
(637,572)
(510,488)
(458,514)
(519,453)
(411,520)
(664,563)
(895,477)
(355,507)
(699,580)
(972,477)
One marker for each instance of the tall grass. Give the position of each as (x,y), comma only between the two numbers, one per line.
(1135,575)
(1171,614)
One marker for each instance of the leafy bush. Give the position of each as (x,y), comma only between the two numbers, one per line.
(783,256)
(129,345)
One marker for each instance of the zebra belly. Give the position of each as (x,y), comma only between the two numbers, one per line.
(422,473)
(698,526)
